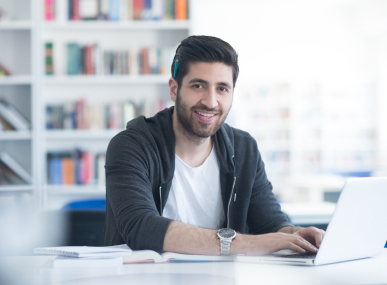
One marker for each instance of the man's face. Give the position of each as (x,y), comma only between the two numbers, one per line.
(204,98)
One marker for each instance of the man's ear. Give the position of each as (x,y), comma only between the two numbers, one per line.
(173,89)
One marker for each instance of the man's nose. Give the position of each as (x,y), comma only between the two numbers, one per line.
(210,99)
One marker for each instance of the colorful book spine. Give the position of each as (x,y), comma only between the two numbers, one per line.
(49,59)
(75,16)
(76,167)
(114,10)
(114,115)
(138,6)
(49,10)
(126,10)
(181,9)
(169,10)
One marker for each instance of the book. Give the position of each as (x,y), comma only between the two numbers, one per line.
(114,10)
(13,117)
(140,256)
(138,6)
(84,251)
(75,16)
(75,167)
(49,10)
(13,168)
(169,13)
(71,262)
(88,9)
(4,71)
(8,176)
(5,126)
(181,9)
(49,58)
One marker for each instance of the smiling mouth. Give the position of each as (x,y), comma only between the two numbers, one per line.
(205,115)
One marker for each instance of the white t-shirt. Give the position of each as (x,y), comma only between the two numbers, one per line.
(195,196)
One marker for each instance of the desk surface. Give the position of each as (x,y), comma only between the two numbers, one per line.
(31,270)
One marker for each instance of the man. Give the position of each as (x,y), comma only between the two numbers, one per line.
(173,180)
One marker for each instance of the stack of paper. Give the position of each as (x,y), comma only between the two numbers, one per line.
(85,256)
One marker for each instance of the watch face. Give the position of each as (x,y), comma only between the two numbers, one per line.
(226,233)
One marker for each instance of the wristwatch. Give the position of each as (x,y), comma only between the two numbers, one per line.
(226,236)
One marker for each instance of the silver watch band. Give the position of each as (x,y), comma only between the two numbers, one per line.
(225,245)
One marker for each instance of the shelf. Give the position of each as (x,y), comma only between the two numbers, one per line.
(107,79)
(116,26)
(15,25)
(15,135)
(15,80)
(16,189)
(81,134)
(75,190)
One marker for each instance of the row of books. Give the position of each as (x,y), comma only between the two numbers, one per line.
(75,167)
(120,10)
(91,60)
(11,173)
(113,115)
(11,119)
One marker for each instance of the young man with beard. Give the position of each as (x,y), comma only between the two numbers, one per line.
(186,182)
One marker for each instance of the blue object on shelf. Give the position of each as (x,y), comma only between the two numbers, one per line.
(355,174)
(91,204)
(385,246)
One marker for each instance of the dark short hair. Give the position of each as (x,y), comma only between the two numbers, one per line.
(203,49)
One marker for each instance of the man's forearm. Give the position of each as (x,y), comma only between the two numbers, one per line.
(289,230)
(187,239)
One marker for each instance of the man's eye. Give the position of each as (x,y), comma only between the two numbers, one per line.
(197,86)
(222,89)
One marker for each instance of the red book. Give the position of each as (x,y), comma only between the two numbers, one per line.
(89,60)
(85,174)
(76,15)
(138,6)
(49,10)
(181,9)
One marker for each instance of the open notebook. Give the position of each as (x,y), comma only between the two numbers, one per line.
(153,256)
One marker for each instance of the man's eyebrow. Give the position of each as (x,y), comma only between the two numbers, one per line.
(224,84)
(198,80)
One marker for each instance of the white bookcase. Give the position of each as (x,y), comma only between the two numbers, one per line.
(18,51)
(25,33)
(99,89)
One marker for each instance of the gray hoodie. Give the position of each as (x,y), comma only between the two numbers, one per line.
(140,163)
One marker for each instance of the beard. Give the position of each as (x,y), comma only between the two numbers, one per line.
(191,126)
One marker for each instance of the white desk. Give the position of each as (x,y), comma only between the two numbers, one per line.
(29,270)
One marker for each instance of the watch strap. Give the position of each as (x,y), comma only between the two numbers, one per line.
(225,245)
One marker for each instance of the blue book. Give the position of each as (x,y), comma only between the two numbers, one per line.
(78,166)
(114,10)
(70,11)
(55,172)
(49,125)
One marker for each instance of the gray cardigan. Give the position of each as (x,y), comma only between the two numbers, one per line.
(140,163)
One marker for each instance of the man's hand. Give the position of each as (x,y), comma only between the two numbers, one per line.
(312,235)
(268,243)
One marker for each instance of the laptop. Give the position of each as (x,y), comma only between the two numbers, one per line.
(357,228)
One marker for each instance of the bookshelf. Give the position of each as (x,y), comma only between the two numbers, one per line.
(26,30)
(19,89)
(96,89)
